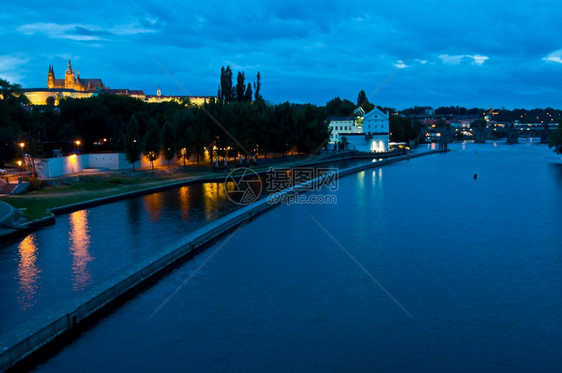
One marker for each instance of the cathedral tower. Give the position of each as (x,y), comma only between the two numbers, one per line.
(69,77)
(51,77)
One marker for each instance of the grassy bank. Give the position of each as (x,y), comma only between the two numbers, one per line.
(69,190)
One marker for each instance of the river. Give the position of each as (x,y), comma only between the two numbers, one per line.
(419,266)
(50,265)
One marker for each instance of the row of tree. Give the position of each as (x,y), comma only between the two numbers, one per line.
(537,115)
(228,129)
(240,92)
(108,122)
(233,122)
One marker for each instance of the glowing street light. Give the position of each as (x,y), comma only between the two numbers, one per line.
(22,146)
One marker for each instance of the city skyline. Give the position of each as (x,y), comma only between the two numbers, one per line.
(401,54)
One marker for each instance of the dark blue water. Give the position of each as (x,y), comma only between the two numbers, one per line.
(477,263)
(86,247)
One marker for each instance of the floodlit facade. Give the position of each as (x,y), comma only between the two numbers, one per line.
(73,86)
(362,132)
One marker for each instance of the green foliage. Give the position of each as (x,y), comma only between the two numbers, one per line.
(257,88)
(248,93)
(404,129)
(340,108)
(226,91)
(240,86)
(478,123)
(234,124)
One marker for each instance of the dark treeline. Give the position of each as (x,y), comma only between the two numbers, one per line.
(546,115)
(238,122)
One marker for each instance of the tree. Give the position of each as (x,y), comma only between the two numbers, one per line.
(338,107)
(151,143)
(226,92)
(248,93)
(362,98)
(257,88)
(240,87)
(12,93)
(555,139)
(168,141)
(132,141)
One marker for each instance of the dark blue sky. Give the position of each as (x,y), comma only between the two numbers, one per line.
(402,53)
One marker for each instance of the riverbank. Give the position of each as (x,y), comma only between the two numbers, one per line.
(83,187)
(39,331)
(84,191)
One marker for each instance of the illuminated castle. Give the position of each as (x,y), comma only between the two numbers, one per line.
(72,82)
(72,86)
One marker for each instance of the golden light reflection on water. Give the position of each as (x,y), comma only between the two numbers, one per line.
(211,194)
(79,239)
(153,206)
(184,203)
(28,272)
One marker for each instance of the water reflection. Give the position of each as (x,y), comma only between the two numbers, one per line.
(79,239)
(184,203)
(377,177)
(361,179)
(28,272)
(153,206)
(211,194)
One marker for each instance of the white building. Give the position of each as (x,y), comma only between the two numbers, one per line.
(368,133)
(339,125)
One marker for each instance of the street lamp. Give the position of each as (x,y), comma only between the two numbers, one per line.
(77,142)
(19,165)
(22,146)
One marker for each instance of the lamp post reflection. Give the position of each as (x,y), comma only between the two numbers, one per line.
(184,203)
(212,192)
(28,272)
(153,204)
(79,239)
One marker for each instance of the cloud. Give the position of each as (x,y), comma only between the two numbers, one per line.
(76,32)
(400,64)
(82,32)
(475,59)
(10,67)
(555,56)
